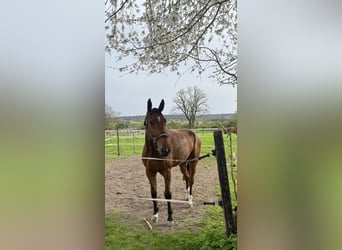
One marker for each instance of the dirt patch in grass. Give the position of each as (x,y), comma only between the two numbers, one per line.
(125,180)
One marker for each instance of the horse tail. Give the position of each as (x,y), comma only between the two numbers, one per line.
(193,152)
(196,145)
(198,142)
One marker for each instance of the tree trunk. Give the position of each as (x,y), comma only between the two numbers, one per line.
(191,123)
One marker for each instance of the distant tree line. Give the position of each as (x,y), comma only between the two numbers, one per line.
(174,124)
(112,120)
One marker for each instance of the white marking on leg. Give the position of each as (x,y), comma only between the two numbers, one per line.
(190,201)
(187,194)
(189,197)
(154,218)
(170,223)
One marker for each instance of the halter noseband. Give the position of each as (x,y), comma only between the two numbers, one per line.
(156,138)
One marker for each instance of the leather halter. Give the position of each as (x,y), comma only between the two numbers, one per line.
(156,138)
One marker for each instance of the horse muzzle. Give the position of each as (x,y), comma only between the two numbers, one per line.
(164,151)
(161,147)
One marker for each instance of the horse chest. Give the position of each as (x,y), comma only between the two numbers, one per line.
(157,166)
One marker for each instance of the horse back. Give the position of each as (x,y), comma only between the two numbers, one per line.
(185,143)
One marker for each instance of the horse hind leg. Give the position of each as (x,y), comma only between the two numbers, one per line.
(191,166)
(189,186)
(186,177)
(192,171)
(185,168)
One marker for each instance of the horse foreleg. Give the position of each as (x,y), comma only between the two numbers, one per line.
(155,207)
(152,177)
(168,195)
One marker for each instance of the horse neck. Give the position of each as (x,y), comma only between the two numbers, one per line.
(148,139)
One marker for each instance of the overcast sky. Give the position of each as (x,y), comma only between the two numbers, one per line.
(128,93)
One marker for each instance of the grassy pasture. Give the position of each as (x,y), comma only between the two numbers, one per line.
(135,237)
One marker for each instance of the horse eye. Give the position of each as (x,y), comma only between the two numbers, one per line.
(151,123)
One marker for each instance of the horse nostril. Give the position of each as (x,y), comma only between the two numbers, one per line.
(165,151)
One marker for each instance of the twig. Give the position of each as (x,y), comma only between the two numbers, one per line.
(148,224)
(115,12)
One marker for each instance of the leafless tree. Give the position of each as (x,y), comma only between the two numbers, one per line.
(111,117)
(191,102)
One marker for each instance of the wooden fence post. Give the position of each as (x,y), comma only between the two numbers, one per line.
(224,183)
(118,140)
(232,164)
(133,143)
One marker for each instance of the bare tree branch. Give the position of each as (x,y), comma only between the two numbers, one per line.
(115,12)
(206,36)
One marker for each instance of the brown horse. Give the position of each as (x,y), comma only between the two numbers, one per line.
(231,130)
(166,148)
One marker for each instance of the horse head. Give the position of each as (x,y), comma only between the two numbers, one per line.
(156,131)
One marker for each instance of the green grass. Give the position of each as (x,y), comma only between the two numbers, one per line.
(130,144)
(135,235)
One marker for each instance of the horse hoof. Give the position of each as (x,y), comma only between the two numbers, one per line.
(170,223)
(154,218)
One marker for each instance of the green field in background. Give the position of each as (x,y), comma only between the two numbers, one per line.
(132,143)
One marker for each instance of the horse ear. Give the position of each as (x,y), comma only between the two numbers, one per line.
(161,105)
(149,105)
